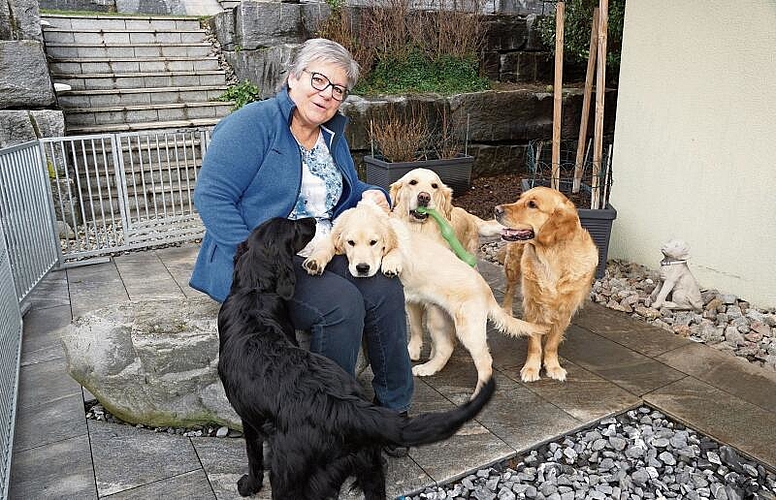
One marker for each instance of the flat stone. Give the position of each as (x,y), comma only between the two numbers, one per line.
(719,414)
(747,381)
(62,469)
(126,457)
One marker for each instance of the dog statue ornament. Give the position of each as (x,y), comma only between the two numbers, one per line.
(677,288)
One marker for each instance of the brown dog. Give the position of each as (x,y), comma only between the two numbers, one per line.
(555,259)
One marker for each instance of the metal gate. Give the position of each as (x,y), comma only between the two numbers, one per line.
(115,192)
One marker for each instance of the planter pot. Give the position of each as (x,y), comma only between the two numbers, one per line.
(455,172)
(597,222)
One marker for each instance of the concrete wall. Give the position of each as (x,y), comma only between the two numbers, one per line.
(695,140)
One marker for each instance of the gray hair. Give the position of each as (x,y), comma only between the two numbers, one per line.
(327,51)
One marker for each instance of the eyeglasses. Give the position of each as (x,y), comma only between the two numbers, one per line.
(321,82)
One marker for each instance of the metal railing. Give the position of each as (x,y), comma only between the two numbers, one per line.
(66,199)
(28,250)
(115,192)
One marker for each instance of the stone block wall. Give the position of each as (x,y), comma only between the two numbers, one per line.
(259,39)
(27,94)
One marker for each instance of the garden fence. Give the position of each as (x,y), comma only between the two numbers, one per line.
(65,200)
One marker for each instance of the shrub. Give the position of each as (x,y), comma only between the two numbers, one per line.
(576,33)
(242,93)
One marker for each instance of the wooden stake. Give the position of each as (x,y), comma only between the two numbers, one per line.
(591,58)
(600,90)
(558,94)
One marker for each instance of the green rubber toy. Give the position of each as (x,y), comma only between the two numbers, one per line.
(449,235)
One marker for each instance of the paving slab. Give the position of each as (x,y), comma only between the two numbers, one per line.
(726,418)
(145,276)
(634,372)
(179,262)
(126,457)
(637,335)
(43,329)
(95,286)
(191,486)
(44,382)
(729,373)
(57,420)
(58,470)
(51,291)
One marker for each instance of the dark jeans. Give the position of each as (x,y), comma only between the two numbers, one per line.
(337,308)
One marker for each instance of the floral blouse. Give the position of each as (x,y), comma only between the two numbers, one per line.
(320,190)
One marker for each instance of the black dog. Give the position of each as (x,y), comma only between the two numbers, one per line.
(316,418)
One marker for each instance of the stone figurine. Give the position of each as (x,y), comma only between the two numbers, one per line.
(677,288)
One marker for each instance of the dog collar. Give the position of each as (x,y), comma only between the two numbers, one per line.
(665,262)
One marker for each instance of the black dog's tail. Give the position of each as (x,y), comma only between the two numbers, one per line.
(429,428)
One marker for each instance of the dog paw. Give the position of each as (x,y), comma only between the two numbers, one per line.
(414,348)
(529,374)
(423,370)
(247,487)
(556,372)
(391,264)
(313,266)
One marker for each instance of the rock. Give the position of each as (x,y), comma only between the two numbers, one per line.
(155,362)
(152,362)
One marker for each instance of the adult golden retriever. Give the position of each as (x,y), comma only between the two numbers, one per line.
(421,187)
(555,260)
(430,273)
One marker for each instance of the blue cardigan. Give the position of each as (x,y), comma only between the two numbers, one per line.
(252,171)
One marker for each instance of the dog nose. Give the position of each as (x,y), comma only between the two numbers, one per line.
(424,198)
(362,268)
(498,211)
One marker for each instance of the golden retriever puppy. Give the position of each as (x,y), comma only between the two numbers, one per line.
(421,187)
(555,259)
(430,273)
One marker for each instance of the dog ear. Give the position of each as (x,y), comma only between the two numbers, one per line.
(390,240)
(393,193)
(562,223)
(286,278)
(446,194)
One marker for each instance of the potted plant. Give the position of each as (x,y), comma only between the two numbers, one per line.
(588,192)
(405,139)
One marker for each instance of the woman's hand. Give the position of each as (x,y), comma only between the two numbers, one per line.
(377,197)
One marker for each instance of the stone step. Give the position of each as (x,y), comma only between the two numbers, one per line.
(146,113)
(133,64)
(126,50)
(98,36)
(118,22)
(131,97)
(140,80)
(171,126)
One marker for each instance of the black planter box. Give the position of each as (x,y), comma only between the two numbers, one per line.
(455,172)
(597,222)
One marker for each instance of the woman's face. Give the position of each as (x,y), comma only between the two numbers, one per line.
(315,107)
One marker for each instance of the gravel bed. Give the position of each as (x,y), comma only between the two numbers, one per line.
(639,454)
(727,322)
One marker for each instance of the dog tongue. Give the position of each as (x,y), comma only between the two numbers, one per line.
(516,234)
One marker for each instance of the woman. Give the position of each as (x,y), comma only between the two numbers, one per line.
(287,157)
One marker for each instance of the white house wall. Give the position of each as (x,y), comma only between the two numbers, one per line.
(695,140)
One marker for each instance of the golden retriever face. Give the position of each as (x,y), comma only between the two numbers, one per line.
(420,187)
(364,239)
(541,215)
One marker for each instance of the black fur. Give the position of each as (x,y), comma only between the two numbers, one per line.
(316,418)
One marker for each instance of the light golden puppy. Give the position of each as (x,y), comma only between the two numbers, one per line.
(421,187)
(555,259)
(430,273)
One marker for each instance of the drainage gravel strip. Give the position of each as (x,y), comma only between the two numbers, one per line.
(640,454)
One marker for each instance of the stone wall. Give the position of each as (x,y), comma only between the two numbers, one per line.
(27,94)
(258,40)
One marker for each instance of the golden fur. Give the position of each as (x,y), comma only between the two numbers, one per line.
(555,259)
(430,273)
(423,187)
